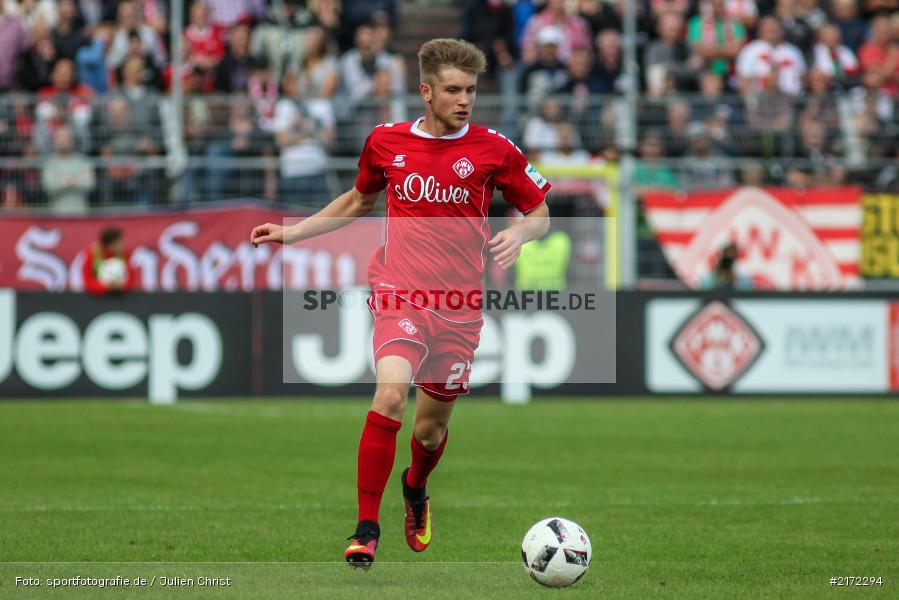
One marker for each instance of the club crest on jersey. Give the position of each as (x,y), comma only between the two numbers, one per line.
(400,160)
(463,167)
(407,326)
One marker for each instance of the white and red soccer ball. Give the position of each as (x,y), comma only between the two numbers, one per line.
(556,552)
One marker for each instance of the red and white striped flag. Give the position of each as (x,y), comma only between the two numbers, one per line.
(787,239)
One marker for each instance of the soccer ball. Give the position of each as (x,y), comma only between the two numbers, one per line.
(112,271)
(556,552)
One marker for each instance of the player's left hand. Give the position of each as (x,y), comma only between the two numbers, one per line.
(506,247)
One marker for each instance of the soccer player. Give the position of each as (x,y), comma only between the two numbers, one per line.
(439,172)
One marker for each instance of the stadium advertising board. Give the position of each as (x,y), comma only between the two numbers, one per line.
(203,249)
(880,235)
(154,345)
(787,239)
(769,345)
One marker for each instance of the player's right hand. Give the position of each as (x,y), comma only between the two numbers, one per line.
(267,233)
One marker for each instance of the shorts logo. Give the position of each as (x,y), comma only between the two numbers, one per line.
(400,160)
(463,168)
(407,326)
(538,179)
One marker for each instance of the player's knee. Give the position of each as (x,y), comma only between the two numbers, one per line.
(429,434)
(390,401)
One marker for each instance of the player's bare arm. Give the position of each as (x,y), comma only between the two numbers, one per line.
(342,211)
(506,245)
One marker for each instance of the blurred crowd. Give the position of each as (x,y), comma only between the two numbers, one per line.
(812,83)
(815,82)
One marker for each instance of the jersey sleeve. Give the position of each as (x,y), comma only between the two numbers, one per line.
(522,186)
(370,178)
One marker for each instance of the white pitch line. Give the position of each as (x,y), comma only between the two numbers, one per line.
(300,506)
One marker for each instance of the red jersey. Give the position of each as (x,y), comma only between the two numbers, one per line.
(203,43)
(94,256)
(438,194)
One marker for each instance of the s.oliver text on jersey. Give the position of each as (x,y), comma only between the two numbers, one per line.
(417,188)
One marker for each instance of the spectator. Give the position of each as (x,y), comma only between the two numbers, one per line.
(568,151)
(547,74)
(723,275)
(135,89)
(13,42)
(881,53)
(67,35)
(233,72)
(20,186)
(872,112)
(63,101)
(676,133)
(304,129)
(887,180)
(263,89)
(705,168)
(359,66)
(582,80)
(744,12)
(669,55)
(715,38)
(820,102)
(151,74)
(34,13)
(126,180)
(91,60)
(36,64)
(542,130)
(127,26)
(852,29)
(496,34)
(833,58)
(650,174)
(575,31)
(106,267)
(717,111)
(796,29)
(355,13)
(93,12)
(769,57)
(608,14)
(382,35)
(198,130)
(155,14)
(318,70)
(229,13)
(67,176)
(243,138)
(819,153)
(769,114)
(660,9)
(203,41)
(609,64)
(280,37)
(16,125)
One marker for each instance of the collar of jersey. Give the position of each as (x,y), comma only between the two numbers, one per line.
(453,136)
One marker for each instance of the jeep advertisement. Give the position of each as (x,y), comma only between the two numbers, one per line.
(177,345)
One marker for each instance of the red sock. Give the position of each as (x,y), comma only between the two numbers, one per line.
(423,462)
(377,449)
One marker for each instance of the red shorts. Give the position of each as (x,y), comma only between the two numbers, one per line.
(440,351)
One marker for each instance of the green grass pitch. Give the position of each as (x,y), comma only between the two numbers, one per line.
(684,499)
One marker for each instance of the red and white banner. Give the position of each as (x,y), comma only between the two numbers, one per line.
(204,249)
(787,239)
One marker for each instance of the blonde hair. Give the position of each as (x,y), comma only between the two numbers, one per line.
(449,53)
